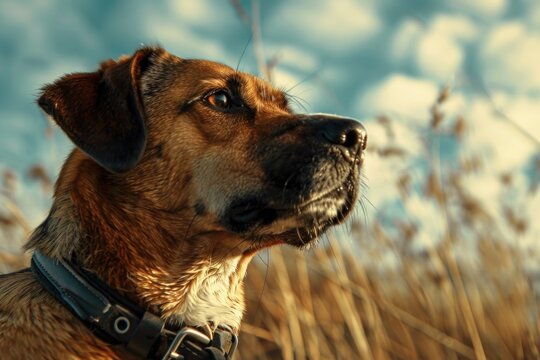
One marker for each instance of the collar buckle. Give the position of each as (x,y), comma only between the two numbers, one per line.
(186,333)
(233,341)
(223,340)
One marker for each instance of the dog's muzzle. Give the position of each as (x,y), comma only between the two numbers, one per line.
(312,168)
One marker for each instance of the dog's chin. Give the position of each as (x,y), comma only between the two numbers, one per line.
(297,225)
(316,220)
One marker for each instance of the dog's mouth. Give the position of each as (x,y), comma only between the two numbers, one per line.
(297,223)
(252,212)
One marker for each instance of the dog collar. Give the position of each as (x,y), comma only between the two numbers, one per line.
(117,321)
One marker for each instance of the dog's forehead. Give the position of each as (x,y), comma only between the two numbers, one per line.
(264,90)
(210,68)
(215,74)
(179,78)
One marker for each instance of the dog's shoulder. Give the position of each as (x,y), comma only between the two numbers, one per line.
(33,324)
(18,291)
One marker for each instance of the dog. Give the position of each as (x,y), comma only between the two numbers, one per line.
(182,170)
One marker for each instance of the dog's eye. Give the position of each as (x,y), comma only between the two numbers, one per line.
(220,99)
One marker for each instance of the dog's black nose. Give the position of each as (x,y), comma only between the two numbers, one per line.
(348,133)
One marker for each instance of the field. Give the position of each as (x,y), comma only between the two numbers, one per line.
(368,290)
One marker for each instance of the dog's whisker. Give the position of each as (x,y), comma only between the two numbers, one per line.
(306,78)
(186,235)
(259,256)
(369,202)
(297,100)
(244,51)
(364,211)
(259,301)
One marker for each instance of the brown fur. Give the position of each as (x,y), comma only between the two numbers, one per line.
(149,225)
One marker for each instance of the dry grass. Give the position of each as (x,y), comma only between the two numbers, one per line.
(325,304)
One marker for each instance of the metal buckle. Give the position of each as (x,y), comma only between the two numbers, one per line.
(234,342)
(186,332)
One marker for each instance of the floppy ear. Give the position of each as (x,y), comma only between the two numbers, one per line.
(102,112)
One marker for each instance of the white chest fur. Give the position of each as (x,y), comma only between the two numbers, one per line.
(215,296)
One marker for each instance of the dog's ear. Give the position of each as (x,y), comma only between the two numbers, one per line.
(102,112)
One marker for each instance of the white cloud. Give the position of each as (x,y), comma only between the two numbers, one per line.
(405,40)
(455,105)
(381,175)
(437,48)
(523,110)
(484,8)
(337,26)
(503,37)
(534,14)
(496,141)
(192,12)
(486,188)
(376,132)
(428,217)
(177,24)
(292,56)
(439,56)
(456,27)
(406,137)
(510,57)
(402,95)
(180,40)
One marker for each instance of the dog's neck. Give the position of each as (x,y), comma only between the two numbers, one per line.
(155,258)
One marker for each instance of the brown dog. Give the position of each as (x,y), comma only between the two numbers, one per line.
(183,170)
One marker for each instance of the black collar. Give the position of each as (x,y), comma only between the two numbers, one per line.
(117,321)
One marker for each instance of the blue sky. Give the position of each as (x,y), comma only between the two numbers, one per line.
(355,58)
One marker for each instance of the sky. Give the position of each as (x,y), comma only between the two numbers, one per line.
(360,59)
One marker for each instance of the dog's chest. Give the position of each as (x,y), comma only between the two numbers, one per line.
(215,296)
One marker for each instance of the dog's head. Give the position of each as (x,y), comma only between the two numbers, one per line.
(216,144)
